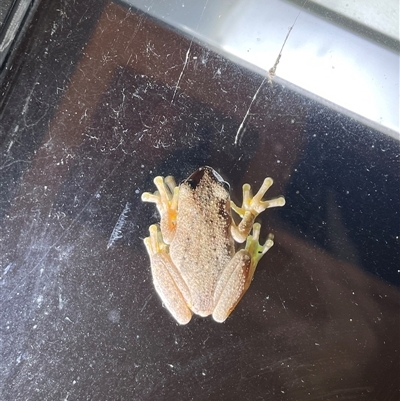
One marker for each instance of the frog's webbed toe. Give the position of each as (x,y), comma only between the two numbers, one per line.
(252,206)
(166,196)
(166,200)
(253,247)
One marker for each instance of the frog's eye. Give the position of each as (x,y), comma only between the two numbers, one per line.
(226,185)
(195,178)
(221,180)
(191,182)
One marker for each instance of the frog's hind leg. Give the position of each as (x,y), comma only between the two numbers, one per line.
(169,292)
(168,282)
(231,286)
(238,274)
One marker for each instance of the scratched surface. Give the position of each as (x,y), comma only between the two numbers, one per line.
(101,99)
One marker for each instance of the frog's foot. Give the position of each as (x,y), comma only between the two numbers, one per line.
(166,200)
(255,204)
(253,247)
(252,206)
(155,243)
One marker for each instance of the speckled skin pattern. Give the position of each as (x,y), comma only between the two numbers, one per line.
(194,264)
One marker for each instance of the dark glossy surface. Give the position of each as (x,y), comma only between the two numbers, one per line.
(100,100)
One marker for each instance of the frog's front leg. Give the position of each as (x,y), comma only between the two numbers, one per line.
(237,275)
(252,206)
(168,282)
(166,200)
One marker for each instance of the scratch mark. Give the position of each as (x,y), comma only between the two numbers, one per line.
(6,270)
(238,136)
(11,163)
(28,99)
(183,69)
(62,236)
(146,301)
(272,70)
(116,232)
(187,53)
(283,303)
(133,36)
(271,74)
(60,301)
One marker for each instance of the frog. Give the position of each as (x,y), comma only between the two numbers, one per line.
(195,266)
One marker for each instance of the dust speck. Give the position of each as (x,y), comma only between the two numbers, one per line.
(114,316)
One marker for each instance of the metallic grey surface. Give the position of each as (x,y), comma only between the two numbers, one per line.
(16,14)
(5,6)
(320,58)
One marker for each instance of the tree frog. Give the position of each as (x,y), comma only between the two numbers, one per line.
(194,264)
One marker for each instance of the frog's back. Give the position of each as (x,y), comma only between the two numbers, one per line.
(202,245)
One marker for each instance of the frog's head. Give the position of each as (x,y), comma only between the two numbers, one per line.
(203,174)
